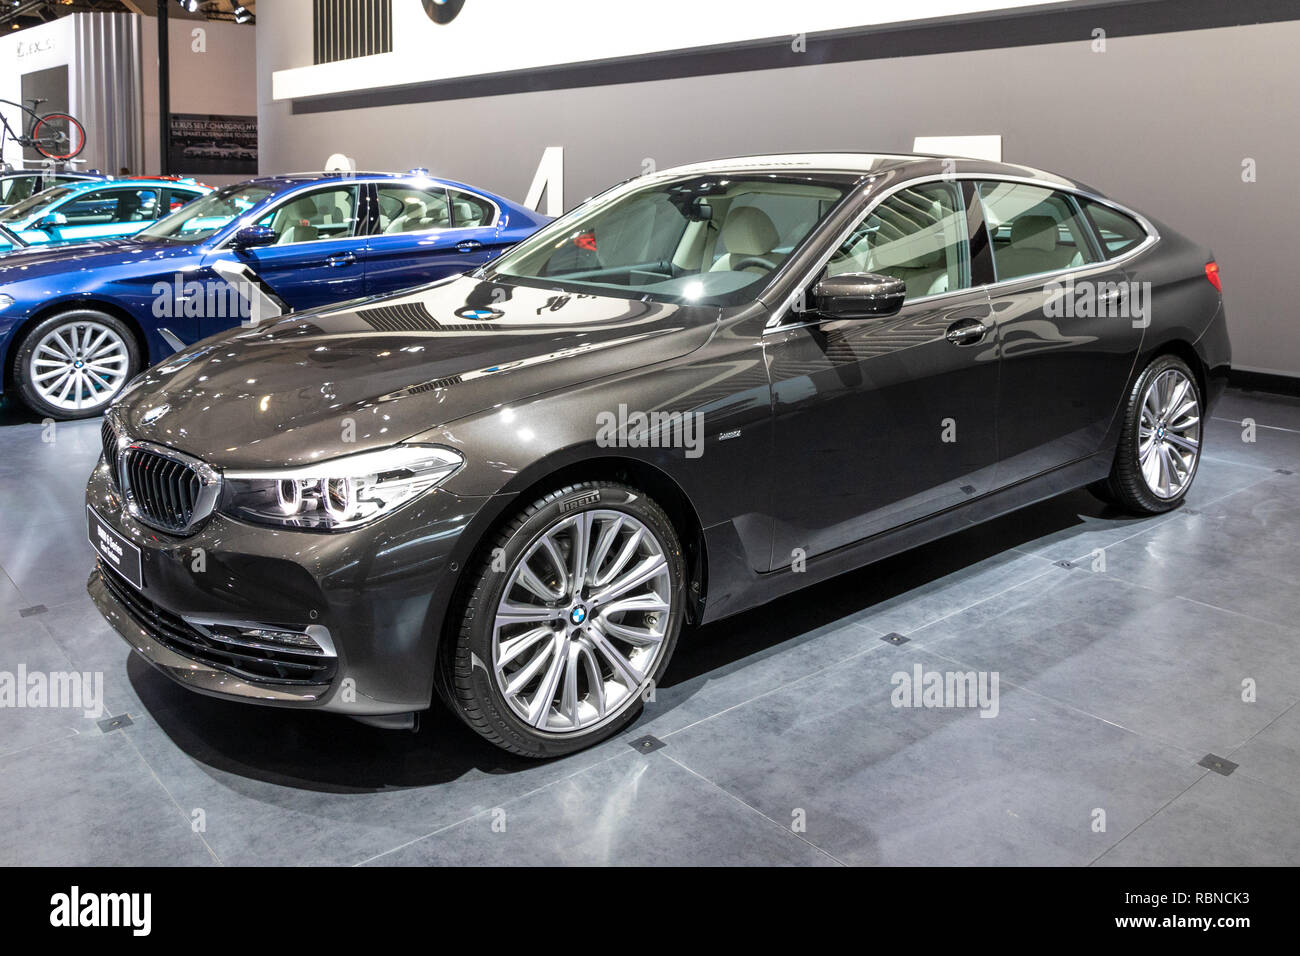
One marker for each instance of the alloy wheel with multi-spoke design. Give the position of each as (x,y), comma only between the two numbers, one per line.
(582,622)
(79,365)
(1169,433)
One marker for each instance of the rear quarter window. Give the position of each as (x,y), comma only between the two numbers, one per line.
(1117,232)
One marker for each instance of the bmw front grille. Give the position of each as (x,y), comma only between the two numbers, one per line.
(164,488)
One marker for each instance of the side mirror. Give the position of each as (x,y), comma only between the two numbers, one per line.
(858,295)
(251,237)
(53,221)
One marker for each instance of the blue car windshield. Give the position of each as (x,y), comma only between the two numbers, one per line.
(29,205)
(203,217)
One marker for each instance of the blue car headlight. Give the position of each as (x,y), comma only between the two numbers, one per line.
(5,301)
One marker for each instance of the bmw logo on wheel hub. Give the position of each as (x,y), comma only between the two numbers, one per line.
(578,615)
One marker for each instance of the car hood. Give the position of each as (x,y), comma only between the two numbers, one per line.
(70,259)
(319,384)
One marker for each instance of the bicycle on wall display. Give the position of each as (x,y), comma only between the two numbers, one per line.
(57,136)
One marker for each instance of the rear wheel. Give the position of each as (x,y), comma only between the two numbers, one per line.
(72,365)
(1160,446)
(571,615)
(58,136)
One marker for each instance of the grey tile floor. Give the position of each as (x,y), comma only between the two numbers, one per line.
(1118,674)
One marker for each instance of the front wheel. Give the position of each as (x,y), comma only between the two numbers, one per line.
(1160,446)
(72,365)
(570,617)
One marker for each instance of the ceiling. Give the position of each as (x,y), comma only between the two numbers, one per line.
(20,14)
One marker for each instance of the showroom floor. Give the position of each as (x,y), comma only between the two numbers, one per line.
(779,742)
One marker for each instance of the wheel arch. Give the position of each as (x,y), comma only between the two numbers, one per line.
(1183,349)
(21,331)
(567,466)
(587,463)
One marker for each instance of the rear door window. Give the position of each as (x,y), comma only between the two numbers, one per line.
(1034,230)
(405,208)
(468,210)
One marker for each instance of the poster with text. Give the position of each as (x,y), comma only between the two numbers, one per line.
(212,144)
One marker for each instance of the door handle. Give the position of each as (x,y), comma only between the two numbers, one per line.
(468,245)
(343,259)
(966,331)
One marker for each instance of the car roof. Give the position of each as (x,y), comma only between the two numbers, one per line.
(910,165)
(9,173)
(133,181)
(291,180)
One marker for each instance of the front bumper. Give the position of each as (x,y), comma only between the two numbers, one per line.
(377,592)
(196,675)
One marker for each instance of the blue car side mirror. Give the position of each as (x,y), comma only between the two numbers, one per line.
(251,237)
(52,221)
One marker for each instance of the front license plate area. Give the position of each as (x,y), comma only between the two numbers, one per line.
(114,550)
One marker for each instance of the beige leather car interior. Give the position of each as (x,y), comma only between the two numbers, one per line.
(748,231)
(912,235)
(1035,247)
(321,215)
(294,221)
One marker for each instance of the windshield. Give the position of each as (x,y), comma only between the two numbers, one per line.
(32,203)
(707,240)
(202,217)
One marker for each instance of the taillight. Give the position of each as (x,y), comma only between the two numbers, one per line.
(1212,273)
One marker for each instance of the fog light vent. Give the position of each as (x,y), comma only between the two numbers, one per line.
(311,641)
(283,638)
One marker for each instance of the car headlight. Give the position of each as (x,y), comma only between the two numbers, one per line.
(339,493)
(6,300)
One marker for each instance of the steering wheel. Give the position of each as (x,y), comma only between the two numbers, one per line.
(752,261)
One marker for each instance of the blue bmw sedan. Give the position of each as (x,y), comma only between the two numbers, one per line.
(78,322)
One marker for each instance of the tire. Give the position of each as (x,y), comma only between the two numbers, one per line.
(502,677)
(1162,422)
(92,385)
(58,136)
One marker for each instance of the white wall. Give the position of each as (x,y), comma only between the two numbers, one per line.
(26,51)
(502,35)
(221,79)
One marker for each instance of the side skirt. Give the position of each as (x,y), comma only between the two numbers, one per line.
(754,590)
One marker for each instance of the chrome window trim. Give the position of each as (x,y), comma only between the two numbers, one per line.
(775,324)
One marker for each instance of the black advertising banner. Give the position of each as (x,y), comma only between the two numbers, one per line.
(213,144)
